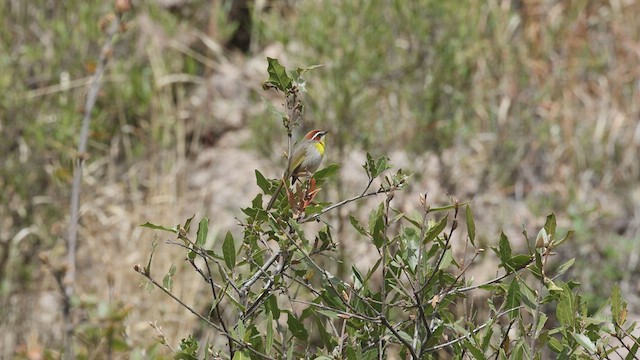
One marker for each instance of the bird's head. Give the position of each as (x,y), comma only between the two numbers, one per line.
(316,135)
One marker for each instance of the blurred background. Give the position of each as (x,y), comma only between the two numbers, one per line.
(523,107)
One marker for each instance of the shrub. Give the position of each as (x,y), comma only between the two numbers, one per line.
(416,301)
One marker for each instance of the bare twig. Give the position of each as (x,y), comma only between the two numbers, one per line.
(241,344)
(626,333)
(216,306)
(416,294)
(505,338)
(342,203)
(261,271)
(284,264)
(476,330)
(385,256)
(72,239)
(473,287)
(71,84)
(444,251)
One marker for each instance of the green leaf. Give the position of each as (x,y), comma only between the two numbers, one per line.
(435,230)
(378,227)
(518,351)
(528,298)
(182,356)
(382,164)
(322,174)
(297,328)
(551,286)
(256,204)
(269,333)
(550,226)
(542,238)
(271,307)
(263,183)
(586,343)
(189,346)
(328,313)
(229,251)
(358,281)
(616,304)
(375,167)
(555,345)
(414,222)
(278,75)
(537,269)
(370,166)
(565,238)
(513,298)
(203,230)
(154,246)
(356,225)
(503,251)
(519,261)
(542,320)
(476,352)
(187,224)
(471,226)
(302,71)
(633,351)
(242,355)
(564,309)
(149,225)
(447,258)
(406,337)
(564,267)
(326,338)
(486,340)
(411,241)
(167,281)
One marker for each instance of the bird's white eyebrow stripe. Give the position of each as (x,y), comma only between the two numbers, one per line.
(318,134)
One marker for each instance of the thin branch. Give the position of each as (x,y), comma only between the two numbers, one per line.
(476,330)
(462,272)
(505,338)
(284,264)
(342,203)
(200,252)
(404,342)
(488,282)
(385,256)
(242,344)
(446,246)
(626,333)
(72,240)
(416,294)
(261,271)
(217,306)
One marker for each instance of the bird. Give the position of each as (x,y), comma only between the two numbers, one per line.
(306,156)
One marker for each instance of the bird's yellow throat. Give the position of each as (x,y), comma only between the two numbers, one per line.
(319,146)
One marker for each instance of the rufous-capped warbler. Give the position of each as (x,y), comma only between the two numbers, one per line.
(306,156)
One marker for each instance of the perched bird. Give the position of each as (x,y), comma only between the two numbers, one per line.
(306,156)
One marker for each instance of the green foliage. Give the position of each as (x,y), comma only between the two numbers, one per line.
(416,299)
(278,76)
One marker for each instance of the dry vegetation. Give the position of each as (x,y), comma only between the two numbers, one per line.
(523,107)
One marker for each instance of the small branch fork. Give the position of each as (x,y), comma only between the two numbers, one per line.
(240,343)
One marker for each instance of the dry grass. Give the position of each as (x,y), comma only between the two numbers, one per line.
(548,122)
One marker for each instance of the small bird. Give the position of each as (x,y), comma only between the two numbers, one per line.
(306,156)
